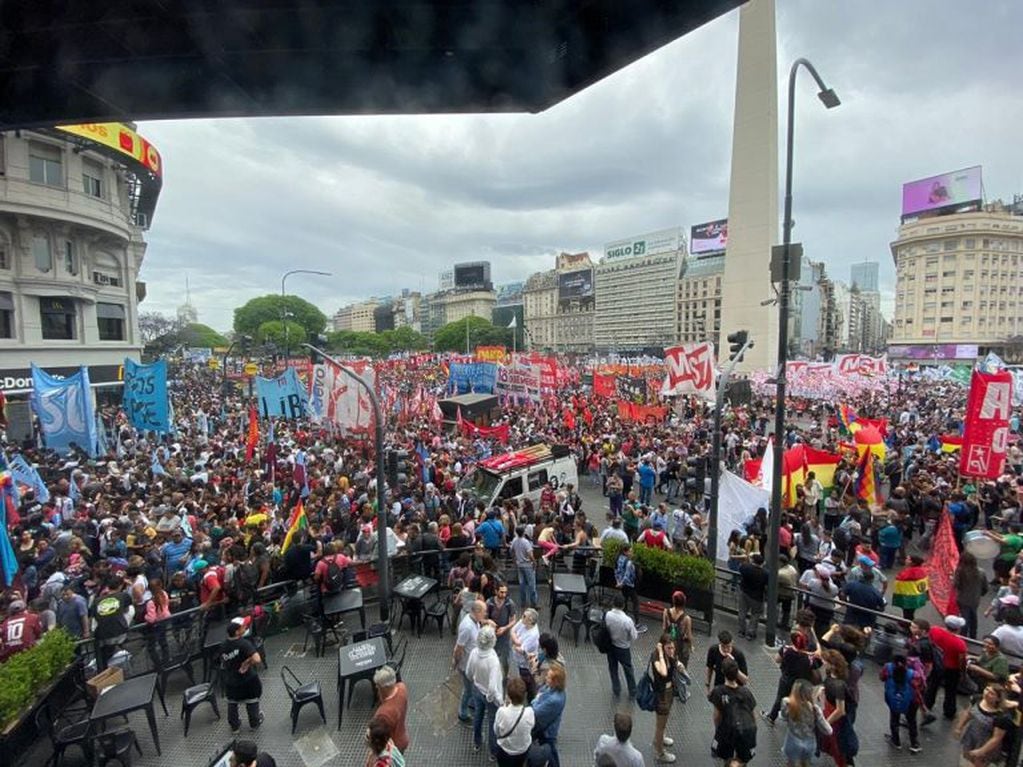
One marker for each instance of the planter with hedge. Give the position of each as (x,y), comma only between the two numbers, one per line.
(29,676)
(663,572)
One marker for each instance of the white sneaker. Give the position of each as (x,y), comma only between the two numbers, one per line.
(668,742)
(666,758)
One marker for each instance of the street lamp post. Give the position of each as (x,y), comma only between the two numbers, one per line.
(830,100)
(287,334)
(383,564)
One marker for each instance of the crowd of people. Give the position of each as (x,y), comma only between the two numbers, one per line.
(166,524)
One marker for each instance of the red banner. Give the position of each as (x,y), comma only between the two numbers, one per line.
(500,433)
(604,384)
(941,565)
(986,432)
(630,411)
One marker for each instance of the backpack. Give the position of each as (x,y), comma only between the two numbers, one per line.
(898,697)
(335,579)
(646,696)
(601,637)
(741,722)
(245,582)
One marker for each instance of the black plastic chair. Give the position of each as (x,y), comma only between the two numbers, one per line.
(576,618)
(181,661)
(194,697)
(116,746)
(397,659)
(63,735)
(301,694)
(415,611)
(318,630)
(440,611)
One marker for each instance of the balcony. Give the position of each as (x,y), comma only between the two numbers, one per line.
(21,196)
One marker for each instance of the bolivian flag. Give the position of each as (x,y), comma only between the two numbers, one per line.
(911,587)
(951,442)
(298,521)
(823,465)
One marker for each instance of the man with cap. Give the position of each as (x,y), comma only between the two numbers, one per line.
(246,754)
(238,662)
(19,631)
(953,649)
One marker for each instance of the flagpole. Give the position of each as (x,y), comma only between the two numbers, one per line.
(383,564)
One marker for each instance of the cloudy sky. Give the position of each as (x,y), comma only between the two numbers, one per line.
(386,203)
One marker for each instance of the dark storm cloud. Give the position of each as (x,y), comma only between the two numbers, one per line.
(386,203)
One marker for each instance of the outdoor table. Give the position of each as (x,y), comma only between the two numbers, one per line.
(564,588)
(346,601)
(121,699)
(412,590)
(214,636)
(354,662)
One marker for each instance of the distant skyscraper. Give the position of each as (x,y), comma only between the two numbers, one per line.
(864,276)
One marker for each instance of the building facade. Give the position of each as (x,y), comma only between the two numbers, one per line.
(71,247)
(438,309)
(539,309)
(359,317)
(636,296)
(958,280)
(699,300)
(864,276)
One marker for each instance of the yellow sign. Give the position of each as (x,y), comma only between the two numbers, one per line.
(213,363)
(251,368)
(120,138)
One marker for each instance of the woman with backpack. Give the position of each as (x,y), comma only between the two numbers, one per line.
(903,690)
(677,622)
(804,719)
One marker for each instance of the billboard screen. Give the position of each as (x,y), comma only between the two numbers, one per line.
(948,190)
(573,285)
(663,241)
(470,276)
(711,237)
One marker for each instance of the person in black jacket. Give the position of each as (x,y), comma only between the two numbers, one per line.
(238,661)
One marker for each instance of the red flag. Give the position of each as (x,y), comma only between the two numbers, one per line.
(569,419)
(253,438)
(986,425)
(941,565)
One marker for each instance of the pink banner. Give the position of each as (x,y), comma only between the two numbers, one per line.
(986,432)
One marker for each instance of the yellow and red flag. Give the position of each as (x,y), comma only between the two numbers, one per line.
(866,482)
(253,439)
(823,465)
(296,522)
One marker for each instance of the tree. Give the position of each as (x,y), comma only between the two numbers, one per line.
(273,308)
(274,332)
(405,339)
(359,344)
(152,325)
(481,332)
(203,336)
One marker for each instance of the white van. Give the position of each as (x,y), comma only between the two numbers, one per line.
(521,474)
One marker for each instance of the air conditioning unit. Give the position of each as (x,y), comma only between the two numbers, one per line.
(100,279)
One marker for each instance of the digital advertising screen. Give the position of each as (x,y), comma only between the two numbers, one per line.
(469,276)
(577,284)
(711,237)
(945,191)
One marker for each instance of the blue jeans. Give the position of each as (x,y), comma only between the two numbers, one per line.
(888,557)
(644,494)
(621,656)
(485,711)
(527,587)
(467,695)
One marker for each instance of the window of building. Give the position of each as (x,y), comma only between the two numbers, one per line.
(951,244)
(967,305)
(947,319)
(948,304)
(6,314)
(70,258)
(92,178)
(41,253)
(44,164)
(110,319)
(59,318)
(948,274)
(969,243)
(5,259)
(968,274)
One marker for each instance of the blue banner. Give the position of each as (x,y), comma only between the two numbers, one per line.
(478,377)
(145,395)
(26,474)
(64,409)
(8,562)
(282,397)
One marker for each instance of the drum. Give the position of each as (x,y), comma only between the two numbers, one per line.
(982,547)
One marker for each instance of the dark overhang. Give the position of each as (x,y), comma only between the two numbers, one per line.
(113,60)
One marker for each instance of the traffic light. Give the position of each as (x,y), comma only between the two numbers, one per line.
(396,468)
(736,341)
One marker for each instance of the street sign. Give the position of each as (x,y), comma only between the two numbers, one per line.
(251,368)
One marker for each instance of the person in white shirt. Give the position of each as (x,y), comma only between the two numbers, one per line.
(525,641)
(513,726)
(468,630)
(623,633)
(614,533)
(484,670)
(617,750)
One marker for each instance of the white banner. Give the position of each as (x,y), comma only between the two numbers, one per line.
(338,398)
(737,500)
(689,370)
(519,381)
(861,364)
